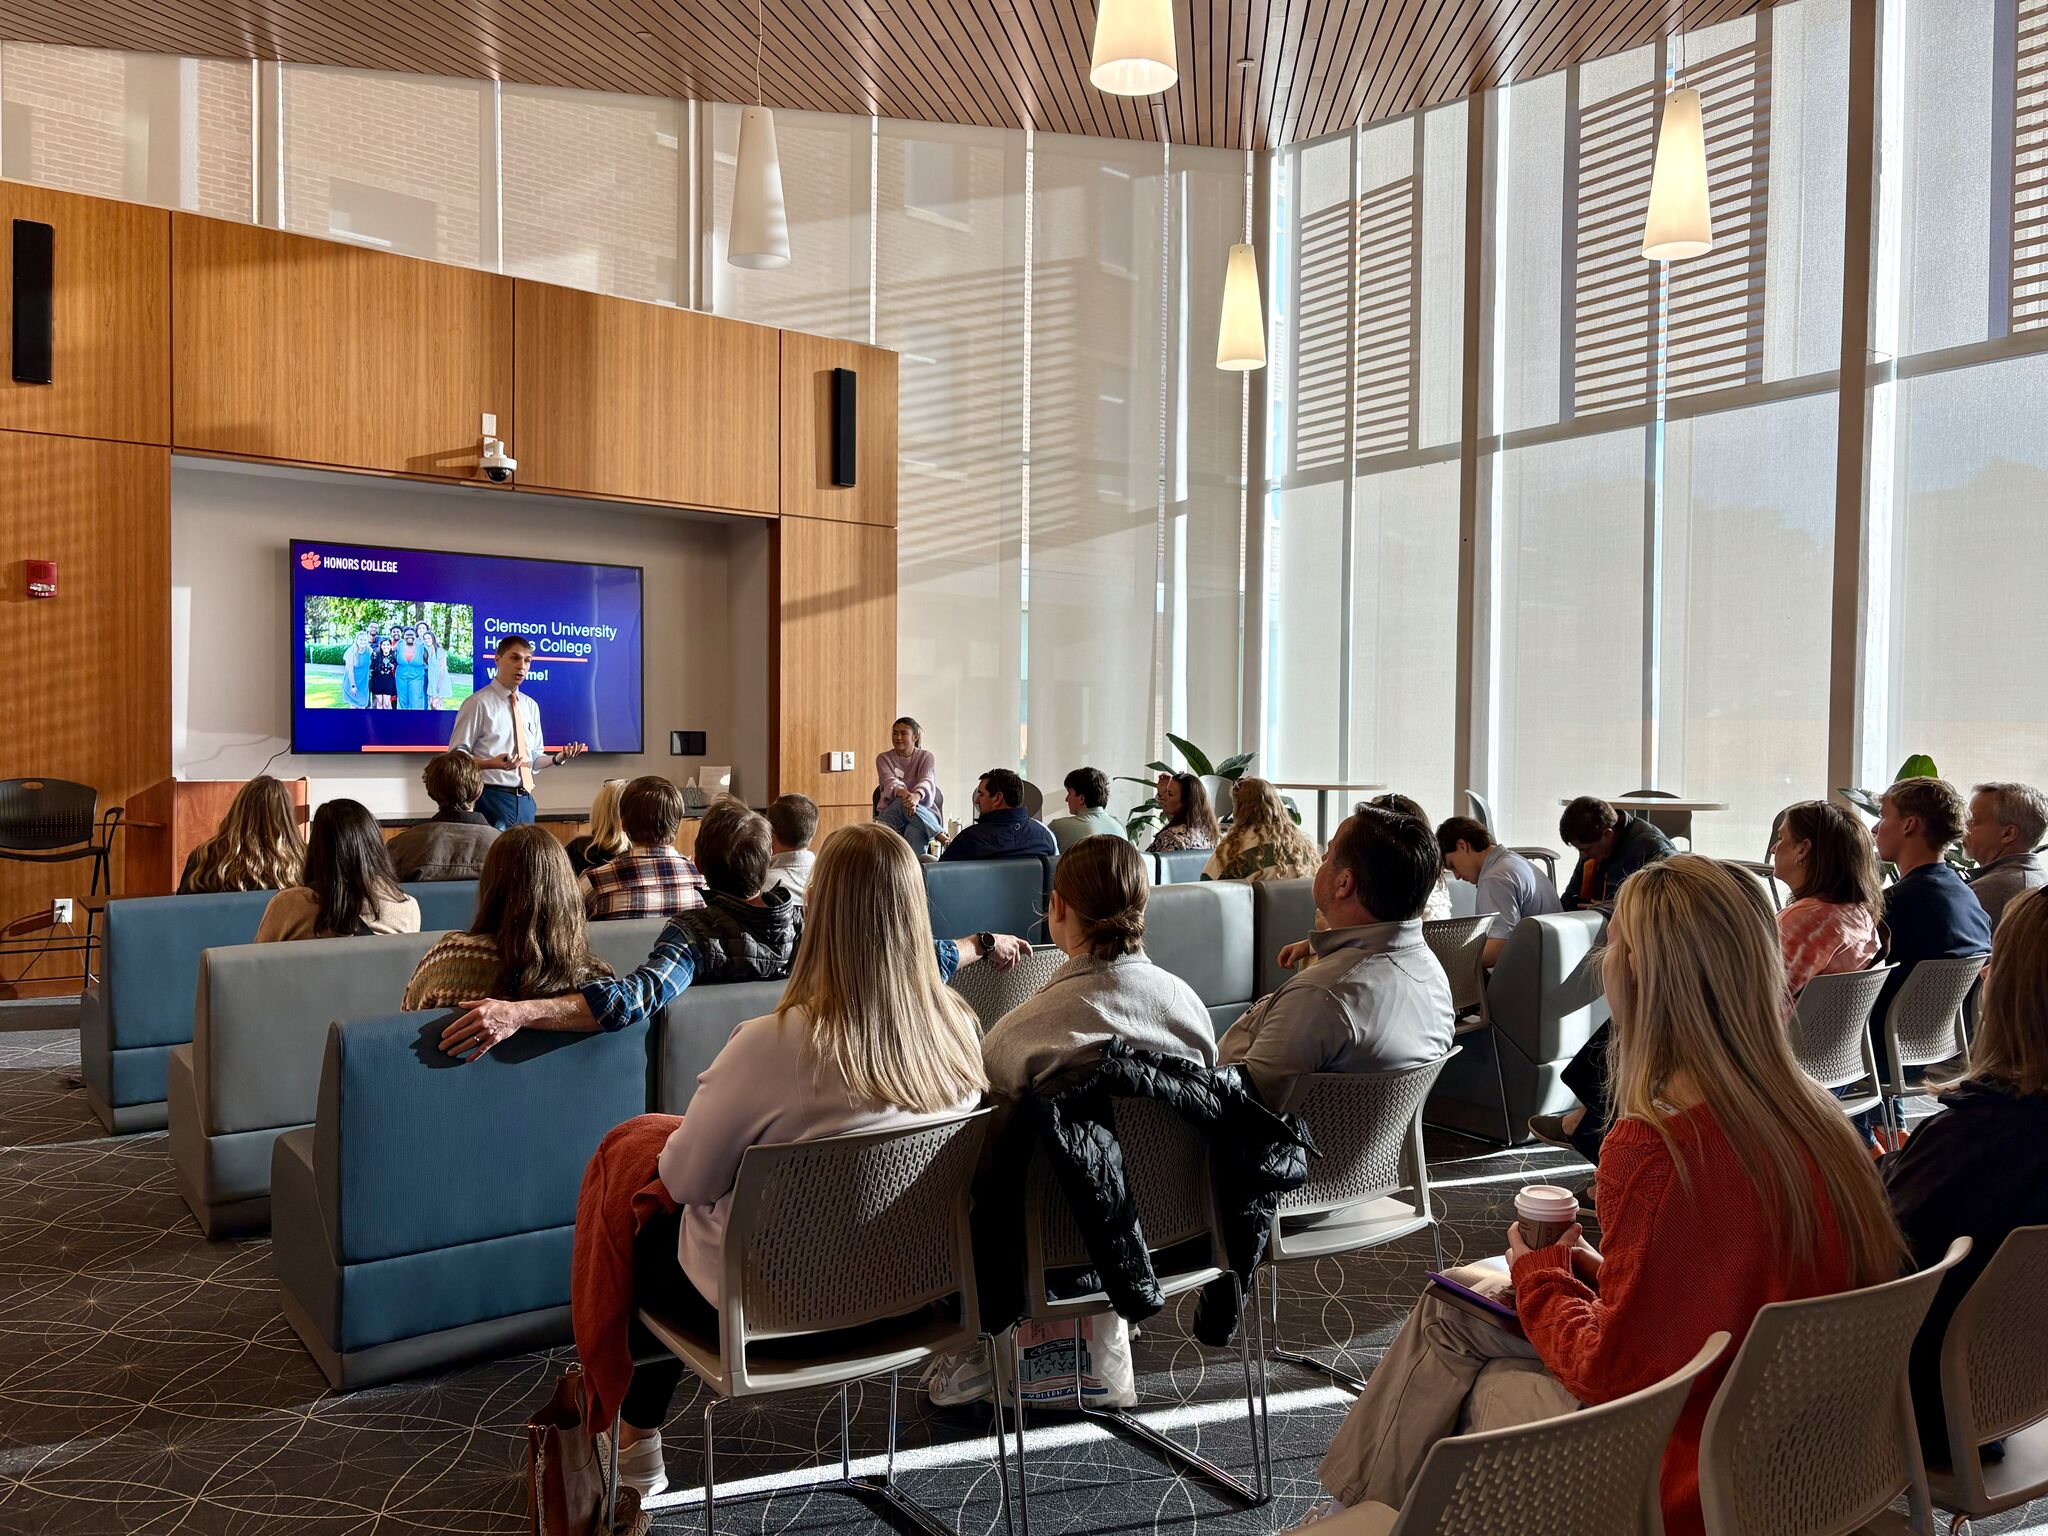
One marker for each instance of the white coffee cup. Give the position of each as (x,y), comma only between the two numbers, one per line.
(1543,1212)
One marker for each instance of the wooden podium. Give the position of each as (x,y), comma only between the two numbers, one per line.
(169,819)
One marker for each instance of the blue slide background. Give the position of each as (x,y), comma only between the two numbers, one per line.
(594,698)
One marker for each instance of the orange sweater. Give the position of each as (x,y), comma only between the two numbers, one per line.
(1678,1266)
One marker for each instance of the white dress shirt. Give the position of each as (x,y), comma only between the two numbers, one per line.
(483,728)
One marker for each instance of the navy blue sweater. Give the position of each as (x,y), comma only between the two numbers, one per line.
(1009,833)
(1931,915)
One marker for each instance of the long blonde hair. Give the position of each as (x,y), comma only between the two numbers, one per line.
(2011,1046)
(1694,977)
(1259,815)
(867,978)
(607,832)
(258,846)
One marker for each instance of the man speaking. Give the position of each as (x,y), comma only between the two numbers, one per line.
(500,727)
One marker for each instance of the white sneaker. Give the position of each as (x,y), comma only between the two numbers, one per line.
(959,1378)
(640,1465)
(1321,1510)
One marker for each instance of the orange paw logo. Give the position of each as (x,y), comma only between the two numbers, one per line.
(310,560)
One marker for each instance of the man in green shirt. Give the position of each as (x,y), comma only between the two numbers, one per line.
(1087,809)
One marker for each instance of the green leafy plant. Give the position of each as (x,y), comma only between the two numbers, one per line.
(1871,803)
(1146,818)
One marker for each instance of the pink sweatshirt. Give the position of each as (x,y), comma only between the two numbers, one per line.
(916,769)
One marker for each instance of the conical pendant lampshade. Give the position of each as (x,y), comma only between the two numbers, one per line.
(1241,338)
(759,233)
(1134,53)
(1680,222)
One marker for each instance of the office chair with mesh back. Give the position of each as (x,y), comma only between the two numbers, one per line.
(54,821)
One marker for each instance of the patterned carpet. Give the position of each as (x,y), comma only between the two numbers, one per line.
(149,1385)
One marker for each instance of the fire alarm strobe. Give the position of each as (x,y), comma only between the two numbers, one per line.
(42,578)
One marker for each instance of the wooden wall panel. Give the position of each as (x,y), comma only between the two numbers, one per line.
(618,398)
(315,352)
(110,373)
(807,488)
(88,695)
(834,680)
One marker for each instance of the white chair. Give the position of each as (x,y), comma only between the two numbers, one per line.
(1589,1473)
(992,993)
(1765,877)
(1830,1032)
(1459,944)
(866,1231)
(1924,1024)
(1994,1385)
(1369,1185)
(1167,1165)
(1812,1432)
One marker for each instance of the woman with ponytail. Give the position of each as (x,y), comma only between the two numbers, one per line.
(1107,990)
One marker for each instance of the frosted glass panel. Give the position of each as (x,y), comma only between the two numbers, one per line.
(1305,649)
(142,127)
(394,162)
(591,183)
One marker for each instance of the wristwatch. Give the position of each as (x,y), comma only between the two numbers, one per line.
(987,942)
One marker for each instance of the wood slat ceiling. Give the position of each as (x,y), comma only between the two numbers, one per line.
(1321,65)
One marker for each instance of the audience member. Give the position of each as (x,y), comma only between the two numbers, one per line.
(1374,997)
(1439,904)
(1823,854)
(651,878)
(1979,1166)
(1190,822)
(792,823)
(606,839)
(347,888)
(867,1037)
(743,931)
(619,1002)
(1504,883)
(1109,989)
(528,938)
(452,843)
(258,847)
(1002,828)
(1731,1182)
(907,786)
(1263,842)
(1611,844)
(1087,810)
(1928,911)
(2005,826)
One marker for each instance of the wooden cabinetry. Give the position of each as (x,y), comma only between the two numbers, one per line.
(644,402)
(807,488)
(835,655)
(110,336)
(316,352)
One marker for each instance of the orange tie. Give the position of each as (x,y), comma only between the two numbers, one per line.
(519,746)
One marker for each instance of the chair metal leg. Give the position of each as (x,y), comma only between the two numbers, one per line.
(1002,1431)
(889,1474)
(710,1473)
(1280,1351)
(1017,1397)
(845,1440)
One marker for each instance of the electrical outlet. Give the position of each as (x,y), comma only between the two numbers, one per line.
(60,910)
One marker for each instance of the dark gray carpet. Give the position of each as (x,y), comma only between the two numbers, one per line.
(149,1385)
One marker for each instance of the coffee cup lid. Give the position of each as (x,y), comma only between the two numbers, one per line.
(1546,1202)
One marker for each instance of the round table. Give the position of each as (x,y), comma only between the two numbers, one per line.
(1654,803)
(1322,793)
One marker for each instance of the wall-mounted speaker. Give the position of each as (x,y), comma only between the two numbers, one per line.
(845,429)
(35,276)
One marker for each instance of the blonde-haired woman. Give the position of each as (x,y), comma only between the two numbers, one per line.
(258,846)
(1979,1167)
(606,839)
(1729,1181)
(867,1036)
(1263,842)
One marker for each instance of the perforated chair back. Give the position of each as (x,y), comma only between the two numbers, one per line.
(1166,1169)
(1812,1432)
(1459,944)
(1830,1027)
(992,993)
(1994,1372)
(846,1230)
(1590,1473)
(1367,1126)
(1925,1021)
(39,814)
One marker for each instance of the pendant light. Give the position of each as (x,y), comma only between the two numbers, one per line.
(1241,330)
(1134,53)
(758,234)
(1680,222)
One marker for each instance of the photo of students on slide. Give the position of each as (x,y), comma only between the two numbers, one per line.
(369,653)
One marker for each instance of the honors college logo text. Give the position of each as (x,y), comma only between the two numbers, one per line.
(310,560)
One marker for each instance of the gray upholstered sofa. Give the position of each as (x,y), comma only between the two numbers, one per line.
(140,1004)
(989,896)
(1203,933)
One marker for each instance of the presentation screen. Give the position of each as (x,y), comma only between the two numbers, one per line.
(391,641)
